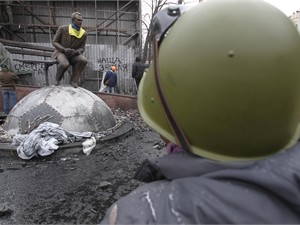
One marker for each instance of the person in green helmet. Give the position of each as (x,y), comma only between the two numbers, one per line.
(232,136)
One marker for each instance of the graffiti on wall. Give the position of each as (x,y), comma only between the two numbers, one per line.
(105,64)
(37,68)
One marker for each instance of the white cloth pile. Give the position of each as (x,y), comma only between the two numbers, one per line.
(44,140)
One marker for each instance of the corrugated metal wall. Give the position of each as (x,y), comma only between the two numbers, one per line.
(100,58)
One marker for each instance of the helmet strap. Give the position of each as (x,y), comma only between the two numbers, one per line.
(176,129)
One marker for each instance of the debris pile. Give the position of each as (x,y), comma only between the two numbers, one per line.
(47,137)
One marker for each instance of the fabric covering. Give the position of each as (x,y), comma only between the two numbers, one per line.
(76,33)
(187,189)
(111,77)
(44,140)
(8,80)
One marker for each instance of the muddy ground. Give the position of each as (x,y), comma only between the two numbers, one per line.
(75,188)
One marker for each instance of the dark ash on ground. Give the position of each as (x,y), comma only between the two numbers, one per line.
(75,189)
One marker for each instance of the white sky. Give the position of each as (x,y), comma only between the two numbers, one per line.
(287,6)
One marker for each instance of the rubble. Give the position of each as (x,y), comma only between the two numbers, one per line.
(77,188)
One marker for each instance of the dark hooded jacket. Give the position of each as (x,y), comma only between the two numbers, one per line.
(138,70)
(111,77)
(193,190)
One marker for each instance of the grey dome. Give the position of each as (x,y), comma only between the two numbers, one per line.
(74,109)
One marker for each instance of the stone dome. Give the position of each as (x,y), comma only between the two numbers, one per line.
(74,109)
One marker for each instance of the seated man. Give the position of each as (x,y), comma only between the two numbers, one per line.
(69,42)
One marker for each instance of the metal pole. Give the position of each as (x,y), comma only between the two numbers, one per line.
(96,18)
(118,22)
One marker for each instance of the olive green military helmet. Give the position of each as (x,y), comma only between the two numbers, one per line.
(230,74)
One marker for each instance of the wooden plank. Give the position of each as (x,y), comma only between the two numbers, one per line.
(26,45)
(32,61)
(93,79)
(28,52)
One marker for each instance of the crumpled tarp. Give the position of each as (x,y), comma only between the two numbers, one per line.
(44,140)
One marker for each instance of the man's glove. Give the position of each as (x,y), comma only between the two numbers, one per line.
(69,52)
(76,53)
(147,172)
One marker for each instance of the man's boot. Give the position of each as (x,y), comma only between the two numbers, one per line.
(74,84)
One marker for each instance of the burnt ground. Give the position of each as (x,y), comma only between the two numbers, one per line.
(75,188)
